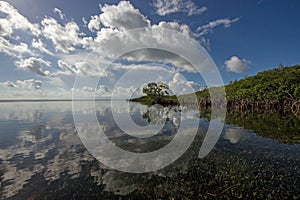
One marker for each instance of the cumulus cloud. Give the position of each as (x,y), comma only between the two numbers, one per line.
(38,44)
(66,67)
(24,84)
(5,28)
(30,84)
(82,69)
(179,85)
(88,89)
(8,84)
(34,65)
(120,92)
(65,38)
(182,28)
(56,81)
(94,23)
(113,37)
(86,69)
(111,27)
(11,20)
(85,22)
(207,28)
(110,41)
(158,68)
(60,13)
(122,16)
(165,7)
(157,56)
(14,20)
(101,91)
(237,65)
(14,50)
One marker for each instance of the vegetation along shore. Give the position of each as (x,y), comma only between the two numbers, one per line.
(273,91)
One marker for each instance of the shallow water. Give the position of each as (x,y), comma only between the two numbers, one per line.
(43,157)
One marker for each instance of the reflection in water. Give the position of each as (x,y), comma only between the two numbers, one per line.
(284,129)
(234,135)
(45,158)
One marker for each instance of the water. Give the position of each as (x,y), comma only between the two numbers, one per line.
(42,156)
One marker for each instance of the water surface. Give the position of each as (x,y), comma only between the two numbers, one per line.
(42,156)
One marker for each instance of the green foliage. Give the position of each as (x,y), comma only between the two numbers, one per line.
(282,83)
(278,84)
(156,90)
(284,129)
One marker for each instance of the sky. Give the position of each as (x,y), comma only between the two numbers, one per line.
(46,46)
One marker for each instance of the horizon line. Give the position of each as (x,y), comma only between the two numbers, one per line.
(48,100)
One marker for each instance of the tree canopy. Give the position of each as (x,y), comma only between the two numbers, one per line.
(282,83)
(156,90)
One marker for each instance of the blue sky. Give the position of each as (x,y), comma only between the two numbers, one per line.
(44,43)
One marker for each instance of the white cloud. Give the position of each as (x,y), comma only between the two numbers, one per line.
(179,85)
(86,69)
(103,92)
(56,81)
(5,28)
(110,41)
(116,19)
(10,21)
(237,65)
(94,23)
(30,84)
(159,68)
(121,92)
(205,42)
(84,21)
(65,38)
(25,84)
(102,89)
(82,69)
(88,92)
(207,28)
(165,7)
(14,50)
(14,20)
(34,65)
(38,44)
(182,28)
(60,13)
(234,135)
(66,67)
(8,84)
(112,36)
(193,9)
(88,89)
(123,16)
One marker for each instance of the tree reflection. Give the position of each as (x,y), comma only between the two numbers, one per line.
(48,161)
(157,114)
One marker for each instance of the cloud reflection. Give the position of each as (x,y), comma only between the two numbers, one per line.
(48,139)
(47,154)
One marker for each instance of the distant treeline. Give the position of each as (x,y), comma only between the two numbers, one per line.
(276,90)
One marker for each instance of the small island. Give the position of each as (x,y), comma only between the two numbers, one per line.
(276,90)
(157,93)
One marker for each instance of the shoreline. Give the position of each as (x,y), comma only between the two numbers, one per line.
(269,106)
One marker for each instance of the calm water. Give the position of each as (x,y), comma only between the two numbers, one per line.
(42,156)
